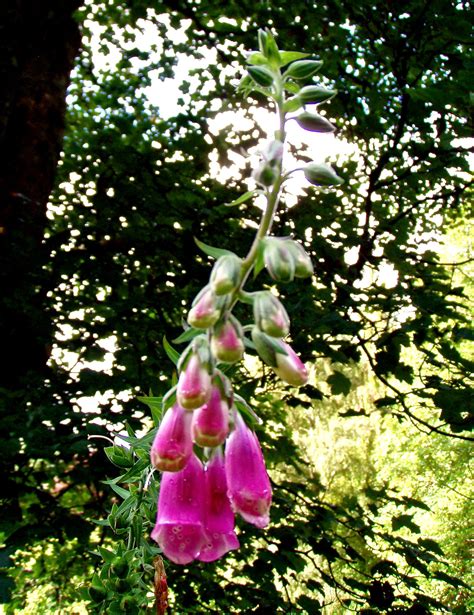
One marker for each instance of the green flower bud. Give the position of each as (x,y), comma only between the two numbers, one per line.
(266,174)
(119,567)
(302,261)
(97,594)
(261,75)
(225,276)
(313,94)
(303,69)
(314,122)
(322,175)
(279,260)
(206,309)
(270,315)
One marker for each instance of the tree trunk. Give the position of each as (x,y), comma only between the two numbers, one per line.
(39,41)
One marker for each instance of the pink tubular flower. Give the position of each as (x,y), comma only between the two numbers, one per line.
(289,367)
(226,343)
(179,530)
(194,384)
(210,424)
(218,516)
(249,488)
(173,445)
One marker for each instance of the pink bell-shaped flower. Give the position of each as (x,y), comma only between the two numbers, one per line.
(179,529)
(289,367)
(218,515)
(210,425)
(194,384)
(173,445)
(249,488)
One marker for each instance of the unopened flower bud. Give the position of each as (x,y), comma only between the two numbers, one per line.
(266,346)
(194,384)
(322,175)
(302,261)
(303,69)
(314,122)
(314,94)
(289,367)
(274,152)
(205,311)
(225,276)
(270,315)
(265,174)
(261,75)
(210,424)
(172,446)
(279,260)
(226,342)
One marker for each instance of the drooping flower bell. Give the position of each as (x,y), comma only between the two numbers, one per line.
(270,315)
(280,357)
(289,367)
(210,424)
(227,341)
(206,309)
(219,518)
(249,488)
(179,528)
(173,445)
(194,383)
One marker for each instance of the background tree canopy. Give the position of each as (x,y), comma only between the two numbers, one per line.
(98,262)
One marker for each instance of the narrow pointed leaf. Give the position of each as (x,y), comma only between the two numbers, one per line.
(210,250)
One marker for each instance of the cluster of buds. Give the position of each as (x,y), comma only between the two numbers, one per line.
(211,459)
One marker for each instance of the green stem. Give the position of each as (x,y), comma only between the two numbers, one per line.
(272,196)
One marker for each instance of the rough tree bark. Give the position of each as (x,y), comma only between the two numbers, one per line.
(38,43)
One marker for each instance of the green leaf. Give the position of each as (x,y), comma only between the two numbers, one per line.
(123,493)
(242,199)
(170,351)
(259,260)
(290,56)
(257,59)
(405,521)
(210,250)
(339,384)
(155,404)
(187,335)
(430,545)
(243,407)
(106,555)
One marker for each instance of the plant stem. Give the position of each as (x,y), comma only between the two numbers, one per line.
(272,196)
